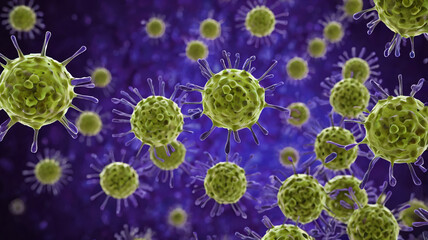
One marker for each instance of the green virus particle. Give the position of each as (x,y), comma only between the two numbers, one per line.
(233,98)
(101,77)
(297,68)
(36,90)
(133,233)
(408,216)
(349,97)
(287,153)
(17,206)
(89,123)
(196,49)
(162,160)
(350,7)
(22,19)
(407,19)
(154,27)
(177,217)
(51,172)
(337,190)
(333,31)
(317,47)
(358,66)
(334,157)
(299,114)
(301,198)
(210,29)
(260,21)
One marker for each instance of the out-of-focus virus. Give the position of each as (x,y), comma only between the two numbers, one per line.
(357,66)
(349,97)
(286,153)
(233,98)
(36,90)
(133,233)
(154,27)
(408,215)
(177,217)
(22,19)
(299,114)
(91,124)
(407,19)
(51,172)
(118,180)
(17,206)
(260,21)
(102,75)
(317,47)
(333,31)
(210,29)
(196,49)
(350,7)
(297,68)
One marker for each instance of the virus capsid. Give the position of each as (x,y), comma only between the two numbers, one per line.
(408,216)
(155,27)
(356,68)
(407,18)
(210,29)
(351,7)
(299,114)
(89,123)
(233,99)
(171,161)
(48,171)
(297,68)
(349,97)
(286,153)
(344,158)
(260,21)
(286,231)
(333,31)
(373,221)
(317,47)
(397,129)
(177,217)
(196,49)
(301,198)
(337,190)
(119,180)
(101,77)
(225,182)
(22,18)
(157,121)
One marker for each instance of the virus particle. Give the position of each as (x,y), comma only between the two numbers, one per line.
(156,120)
(260,21)
(22,19)
(92,124)
(177,217)
(287,153)
(407,19)
(33,98)
(337,195)
(133,233)
(349,97)
(233,98)
(51,172)
(299,114)
(333,31)
(196,49)
(101,77)
(297,68)
(408,216)
(357,66)
(317,47)
(210,29)
(17,207)
(118,180)
(154,27)
(350,7)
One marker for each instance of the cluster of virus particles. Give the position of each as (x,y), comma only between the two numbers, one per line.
(181,137)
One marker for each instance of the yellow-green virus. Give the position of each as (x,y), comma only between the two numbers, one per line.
(299,114)
(154,27)
(196,49)
(233,98)
(210,29)
(101,77)
(89,123)
(337,201)
(177,217)
(171,161)
(51,172)
(408,216)
(286,153)
(133,233)
(333,31)
(350,7)
(36,90)
(358,66)
(349,97)
(22,19)
(317,47)
(297,68)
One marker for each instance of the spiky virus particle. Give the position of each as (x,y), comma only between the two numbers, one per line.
(133,233)
(89,123)
(196,49)
(101,77)
(356,65)
(407,19)
(177,217)
(36,90)
(287,153)
(22,19)
(333,31)
(17,207)
(317,47)
(349,97)
(51,172)
(297,68)
(299,114)
(408,216)
(233,98)
(210,29)
(337,195)
(154,27)
(350,7)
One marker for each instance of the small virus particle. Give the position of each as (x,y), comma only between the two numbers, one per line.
(133,233)
(36,90)
(154,27)
(333,31)
(407,19)
(299,114)
(317,47)
(350,7)
(357,66)
(287,153)
(233,98)
(22,19)
(177,217)
(337,190)
(51,172)
(297,68)
(101,77)
(17,206)
(210,29)
(92,124)
(196,49)
(350,98)
(408,216)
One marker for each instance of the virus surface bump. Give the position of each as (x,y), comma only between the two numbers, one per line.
(171,161)
(119,180)
(299,114)
(297,68)
(349,97)
(196,49)
(286,231)
(89,123)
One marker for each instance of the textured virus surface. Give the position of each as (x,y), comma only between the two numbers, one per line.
(36,90)
(119,180)
(155,27)
(168,161)
(101,77)
(333,31)
(317,47)
(297,68)
(301,198)
(286,231)
(196,49)
(22,19)
(287,153)
(299,114)
(260,21)
(408,216)
(337,190)
(177,217)
(89,123)
(349,97)
(210,29)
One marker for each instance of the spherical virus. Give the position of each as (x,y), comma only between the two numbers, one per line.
(36,90)
(17,206)
(287,153)
(196,49)
(297,68)
(155,27)
(101,77)
(349,97)
(177,217)
(355,65)
(210,29)
(22,19)
(408,216)
(299,114)
(260,21)
(350,7)
(333,31)
(317,47)
(171,161)
(89,123)
(301,198)
(337,190)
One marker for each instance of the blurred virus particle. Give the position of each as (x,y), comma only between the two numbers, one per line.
(299,114)
(156,120)
(133,233)
(408,215)
(22,19)
(101,77)
(407,19)
(350,98)
(357,66)
(297,68)
(154,27)
(350,7)
(51,172)
(333,31)
(224,182)
(260,21)
(337,190)
(423,214)
(36,90)
(210,29)
(286,153)
(233,98)
(118,180)
(177,217)
(196,49)
(92,124)
(317,47)
(17,207)
(283,231)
